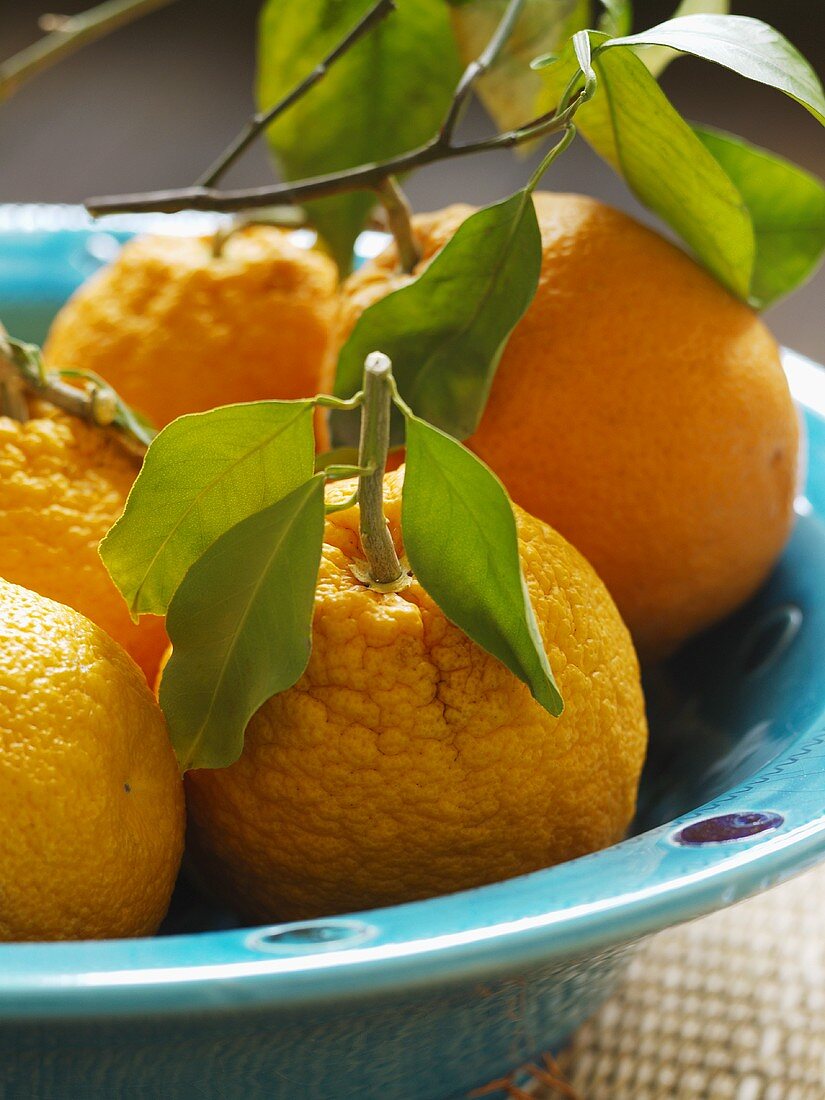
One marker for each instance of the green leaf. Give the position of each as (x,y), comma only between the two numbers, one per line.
(512,92)
(632,124)
(617,17)
(388,94)
(202,475)
(460,538)
(241,626)
(745,45)
(657,58)
(445,331)
(787,208)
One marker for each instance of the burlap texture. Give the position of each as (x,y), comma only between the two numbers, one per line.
(730,1007)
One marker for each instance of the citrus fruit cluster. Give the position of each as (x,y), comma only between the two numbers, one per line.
(639,411)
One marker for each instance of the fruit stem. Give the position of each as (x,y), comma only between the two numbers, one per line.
(13,401)
(383,565)
(399,220)
(22,374)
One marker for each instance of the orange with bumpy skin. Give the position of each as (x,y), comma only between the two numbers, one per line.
(91,801)
(175,329)
(640,409)
(408,762)
(63,483)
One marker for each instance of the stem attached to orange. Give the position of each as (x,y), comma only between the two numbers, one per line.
(382,560)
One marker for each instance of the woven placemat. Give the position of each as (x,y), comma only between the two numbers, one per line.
(729,1007)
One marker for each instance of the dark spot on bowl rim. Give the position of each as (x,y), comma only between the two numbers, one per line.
(727,828)
(330,934)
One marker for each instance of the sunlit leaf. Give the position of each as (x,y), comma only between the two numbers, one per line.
(460,538)
(445,331)
(657,58)
(388,94)
(240,624)
(202,475)
(747,46)
(752,218)
(632,124)
(787,208)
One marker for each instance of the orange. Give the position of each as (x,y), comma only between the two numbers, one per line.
(175,329)
(91,802)
(63,483)
(641,410)
(407,761)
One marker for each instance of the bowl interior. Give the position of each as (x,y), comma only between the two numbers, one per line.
(731,702)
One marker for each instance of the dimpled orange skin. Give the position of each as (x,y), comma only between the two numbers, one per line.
(177,330)
(63,484)
(641,410)
(91,801)
(407,762)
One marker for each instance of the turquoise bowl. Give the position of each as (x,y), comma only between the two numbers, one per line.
(429,1000)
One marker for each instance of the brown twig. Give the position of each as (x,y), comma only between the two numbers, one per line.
(367,177)
(261,119)
(68,35)
(477,68)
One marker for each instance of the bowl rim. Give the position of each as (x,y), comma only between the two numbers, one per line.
(456,938)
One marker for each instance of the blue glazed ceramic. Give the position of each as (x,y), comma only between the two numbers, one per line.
(427,1001)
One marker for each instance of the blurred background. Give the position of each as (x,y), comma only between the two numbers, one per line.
(150,106)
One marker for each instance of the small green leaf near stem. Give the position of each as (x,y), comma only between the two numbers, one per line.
(228,464)
(376,541)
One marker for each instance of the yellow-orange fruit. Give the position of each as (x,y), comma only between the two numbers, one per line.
(63,483)
(407,761)
(640,409)
(176,329)
(91,800)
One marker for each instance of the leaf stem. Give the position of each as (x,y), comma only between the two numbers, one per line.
(382,561)
(70,35)
(342,506)
(399,220)
(557,150)
(261,119)
(337,472)
(344,404)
